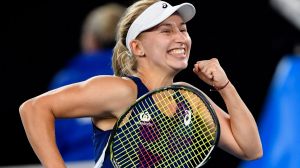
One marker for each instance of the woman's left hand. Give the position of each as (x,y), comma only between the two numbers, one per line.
(211,72)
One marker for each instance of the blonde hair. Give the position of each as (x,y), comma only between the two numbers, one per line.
(101,23)
(123,63)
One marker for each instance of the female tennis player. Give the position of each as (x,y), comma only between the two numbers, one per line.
(153,45)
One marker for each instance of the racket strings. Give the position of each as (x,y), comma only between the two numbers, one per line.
(159,147)
(138,108)
(188,104)
(191,153)
(206,118)
(135,137)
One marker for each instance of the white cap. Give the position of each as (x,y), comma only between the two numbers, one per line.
(155,14)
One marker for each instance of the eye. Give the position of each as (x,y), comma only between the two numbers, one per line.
(166,30)
(183,30)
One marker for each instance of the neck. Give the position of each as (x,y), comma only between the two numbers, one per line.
(155,80)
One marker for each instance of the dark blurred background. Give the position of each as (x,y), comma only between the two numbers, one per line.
(248,38)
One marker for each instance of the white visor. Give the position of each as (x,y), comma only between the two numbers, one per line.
(155,14)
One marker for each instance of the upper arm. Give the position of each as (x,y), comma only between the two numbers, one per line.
(92,97)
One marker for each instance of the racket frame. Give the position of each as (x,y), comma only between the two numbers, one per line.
(177,86)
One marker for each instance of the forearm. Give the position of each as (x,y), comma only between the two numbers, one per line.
(39,128)
(242,123)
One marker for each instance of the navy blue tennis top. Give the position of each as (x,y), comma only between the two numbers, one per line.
(101,137)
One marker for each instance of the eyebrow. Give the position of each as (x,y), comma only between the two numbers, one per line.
(169,24)
(162,24)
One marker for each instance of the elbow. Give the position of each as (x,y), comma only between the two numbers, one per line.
(254,156)
(34,111)
(28,110)
(25,109)
(260,154)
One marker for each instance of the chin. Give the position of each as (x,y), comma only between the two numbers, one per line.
(181,67)
(184,65)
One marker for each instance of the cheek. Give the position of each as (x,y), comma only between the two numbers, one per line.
(156,48)
(189,41)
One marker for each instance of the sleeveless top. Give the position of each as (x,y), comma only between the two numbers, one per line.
(100,137)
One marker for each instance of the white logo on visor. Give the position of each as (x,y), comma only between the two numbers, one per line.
(164,5)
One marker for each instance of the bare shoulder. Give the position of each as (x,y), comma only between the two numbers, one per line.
(115,92)
(110,83)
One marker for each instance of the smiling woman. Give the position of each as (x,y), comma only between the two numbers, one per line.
(148,55)
(149,20)
(168,44)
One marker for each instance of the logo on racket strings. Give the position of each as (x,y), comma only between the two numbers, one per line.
(187,117)
(145,118)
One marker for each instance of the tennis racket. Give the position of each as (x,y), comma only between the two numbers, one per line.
(169,127)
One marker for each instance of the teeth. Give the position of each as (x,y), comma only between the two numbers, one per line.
(177,51)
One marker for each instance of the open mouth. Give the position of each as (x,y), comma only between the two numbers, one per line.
(177,51)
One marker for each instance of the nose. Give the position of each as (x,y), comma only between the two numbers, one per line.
(180,37)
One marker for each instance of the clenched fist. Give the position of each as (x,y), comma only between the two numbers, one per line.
(211,72)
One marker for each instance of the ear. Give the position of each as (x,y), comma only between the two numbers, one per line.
(137,48)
